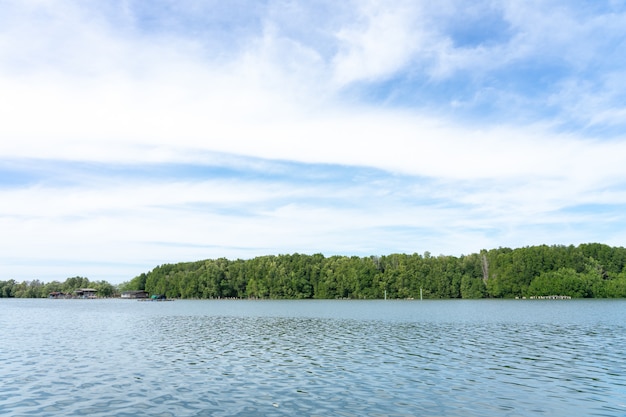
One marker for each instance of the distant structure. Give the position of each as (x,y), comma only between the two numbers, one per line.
(85,293)
(134,294)
(58,294)
(550,297)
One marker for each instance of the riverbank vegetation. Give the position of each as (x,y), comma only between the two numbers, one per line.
(38,289)
(584,271)
(587,270)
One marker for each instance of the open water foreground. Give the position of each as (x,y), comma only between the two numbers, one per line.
(313,358)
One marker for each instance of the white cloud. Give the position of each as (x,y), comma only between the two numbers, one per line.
(381,42)
(167,119)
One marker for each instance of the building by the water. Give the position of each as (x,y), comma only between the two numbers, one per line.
(85,293)
(135,294)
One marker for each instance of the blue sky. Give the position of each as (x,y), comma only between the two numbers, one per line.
(139,133)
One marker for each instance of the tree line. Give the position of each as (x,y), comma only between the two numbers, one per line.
(38,289)
(583,271)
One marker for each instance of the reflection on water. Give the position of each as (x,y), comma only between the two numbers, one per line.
(64,357)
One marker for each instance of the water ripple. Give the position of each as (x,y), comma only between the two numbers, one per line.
(175,359)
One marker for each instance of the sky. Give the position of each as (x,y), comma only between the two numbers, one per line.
(136,133)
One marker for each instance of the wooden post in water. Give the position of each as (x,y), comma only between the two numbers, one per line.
(421,298)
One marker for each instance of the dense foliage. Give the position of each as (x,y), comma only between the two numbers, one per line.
(588,270)
(37,289)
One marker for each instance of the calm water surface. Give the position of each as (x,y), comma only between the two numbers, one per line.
(317,358)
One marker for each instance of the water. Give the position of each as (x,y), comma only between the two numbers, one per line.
(315,358)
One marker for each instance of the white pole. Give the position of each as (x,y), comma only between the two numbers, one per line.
(421,294)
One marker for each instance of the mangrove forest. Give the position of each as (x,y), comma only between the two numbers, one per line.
(590,270)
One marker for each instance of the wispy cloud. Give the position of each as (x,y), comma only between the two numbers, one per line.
(135,134)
